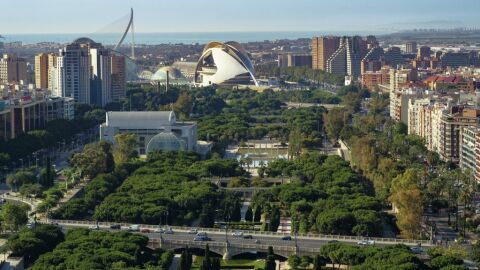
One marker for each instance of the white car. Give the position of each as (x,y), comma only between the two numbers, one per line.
(193,231)
(237,234)
(168,231)
(159,230)
(201,234)
(134,228)
(366,243)
(94,227)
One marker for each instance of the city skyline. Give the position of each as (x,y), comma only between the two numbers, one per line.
(268,15)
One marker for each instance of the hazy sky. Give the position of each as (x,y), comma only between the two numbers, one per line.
(88,16)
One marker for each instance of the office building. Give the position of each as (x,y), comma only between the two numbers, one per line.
(468,147)
(294,60)
(100,80)
(73,71)
(393,57)
(346,61)
(119,77)
(12,69)
(41,71)
(322,49)
(411,47)
(155,130)
(423,53)
(455,60)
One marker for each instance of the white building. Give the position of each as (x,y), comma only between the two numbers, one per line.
(155,130)
(224,64)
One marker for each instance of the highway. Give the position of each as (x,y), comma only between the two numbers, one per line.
(307,241)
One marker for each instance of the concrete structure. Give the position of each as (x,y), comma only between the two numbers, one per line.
(224,64)
(41,71)
(155,130)
(346,60)
(294,60)
(468,146)
(12,69)
(322,49)
(73,69)
(411,47)
(455,60)
(451,127)
(423,53)
(100,80)
(119,77)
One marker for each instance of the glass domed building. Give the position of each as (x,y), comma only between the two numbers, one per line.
(166,141)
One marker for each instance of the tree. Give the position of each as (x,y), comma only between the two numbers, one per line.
(406,197)
(14,216)
(47,175)
(249,214)
(94,159)
(294,142)
(274,220)
(270,263)
(15,181)
(215,264)
(183,106)
(318,262)
(31,243)
(125,147)
(185,260)
(31,189)
(206,263)
(236,214)
(334,122)
(293,261)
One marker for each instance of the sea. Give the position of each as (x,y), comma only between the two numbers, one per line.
(172,38)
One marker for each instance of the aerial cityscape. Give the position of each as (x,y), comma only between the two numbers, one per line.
(240,135)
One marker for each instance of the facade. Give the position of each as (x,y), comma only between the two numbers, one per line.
(451,127)
(294,60)
(423,53)
(73,68)
(322,49)
(119,77)
(373,60)
(155,130)
(224,64)
(41,71)
(455,60)
(411,47)
(100,80)
(393,57)
(347,59)
(468,138)
(12,69)
(84,71)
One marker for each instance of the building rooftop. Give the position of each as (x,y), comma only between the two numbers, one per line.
(151,119)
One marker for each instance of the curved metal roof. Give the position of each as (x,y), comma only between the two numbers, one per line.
(131,120)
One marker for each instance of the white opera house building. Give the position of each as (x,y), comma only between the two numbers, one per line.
(224,64)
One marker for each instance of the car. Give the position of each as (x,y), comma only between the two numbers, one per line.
(193,231)
(366,243)
(168,231)
(247,236)
(145,230)
(201,234)
(158,230)
(416,250)
(237,234)
(94,227)
(115,227)
(134,228)
(287,238)
(201,238)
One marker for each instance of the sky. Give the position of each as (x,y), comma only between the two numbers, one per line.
(90,16)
